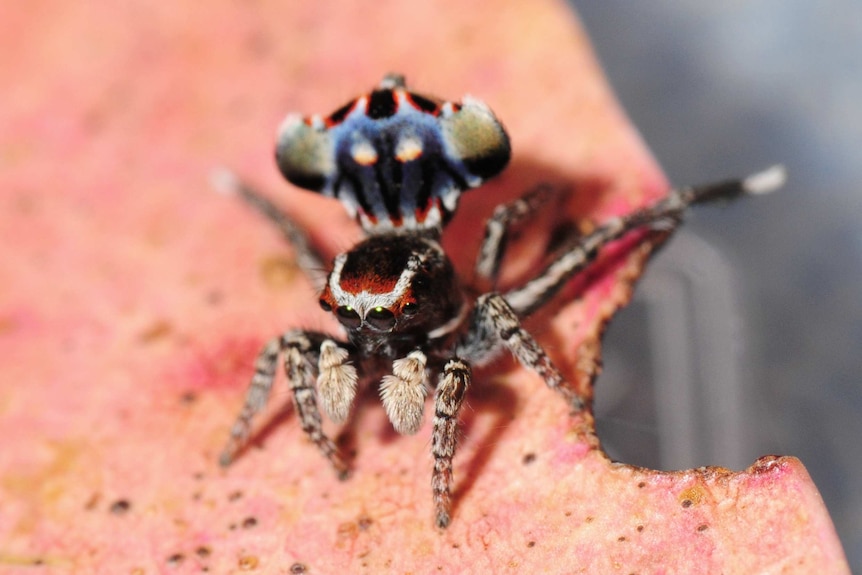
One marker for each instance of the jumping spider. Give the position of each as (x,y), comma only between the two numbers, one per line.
(399,161)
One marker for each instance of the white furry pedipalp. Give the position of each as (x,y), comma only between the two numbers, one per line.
(336,381)
(403,393)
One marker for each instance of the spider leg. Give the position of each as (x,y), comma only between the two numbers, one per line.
(448,400)
(307,257)
(665,215)
(494,322)
(300,372)
(301,350)
(499,225)
(255,400)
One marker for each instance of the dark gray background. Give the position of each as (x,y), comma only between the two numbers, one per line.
(744,338)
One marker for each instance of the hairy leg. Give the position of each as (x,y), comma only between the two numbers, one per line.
(500,224)
(451,389)
(665,214)
(494,322)
(302,351)
(308,258)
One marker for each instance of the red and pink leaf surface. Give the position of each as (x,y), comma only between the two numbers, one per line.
(133,301)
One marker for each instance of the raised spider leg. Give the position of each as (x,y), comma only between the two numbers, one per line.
(301,352)
(495,322)
(665,214)
(448,400)
(499,225)
(307,257)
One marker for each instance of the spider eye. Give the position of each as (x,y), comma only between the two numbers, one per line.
(324,306)
(381,318)
(348,317)
(410,309)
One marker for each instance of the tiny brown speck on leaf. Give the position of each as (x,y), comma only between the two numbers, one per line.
(92,502)
(203,551)
(249,522)
(528,458)
(156,331)
(686,503)
(298,569)
(120,506)
(702,527)
(176,559)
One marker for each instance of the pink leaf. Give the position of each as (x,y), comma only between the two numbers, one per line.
(133,301)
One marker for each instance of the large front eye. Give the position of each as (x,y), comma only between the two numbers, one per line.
(348,317)
(381,318)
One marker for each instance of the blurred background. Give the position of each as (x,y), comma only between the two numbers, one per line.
(744,336)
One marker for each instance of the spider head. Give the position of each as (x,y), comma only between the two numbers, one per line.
(392,284)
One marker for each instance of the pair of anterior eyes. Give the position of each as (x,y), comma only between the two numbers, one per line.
(379,318)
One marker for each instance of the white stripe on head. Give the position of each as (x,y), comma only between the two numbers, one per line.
(364,301)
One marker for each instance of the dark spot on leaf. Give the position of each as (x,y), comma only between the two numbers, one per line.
(188,398)
(531,543)
(621,538)
(528,458)
(120,506)
(249,522)
(641,485)
(686,503)
(298,569)
(640,528)
(589,519)
(702,527)
(176,559)
(364,523)
(203,551)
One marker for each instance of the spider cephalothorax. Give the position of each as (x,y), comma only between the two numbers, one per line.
(398,162)
(393,293)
